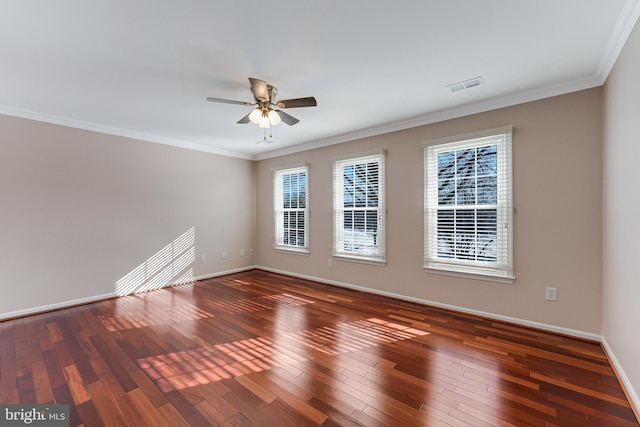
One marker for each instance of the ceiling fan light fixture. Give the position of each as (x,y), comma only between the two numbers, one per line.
(274,117)
(264,121)
(255,116)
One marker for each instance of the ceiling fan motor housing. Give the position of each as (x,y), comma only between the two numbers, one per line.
(273,92)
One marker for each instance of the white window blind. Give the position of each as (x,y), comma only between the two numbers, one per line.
(291,209)
(359,212)
(468,204)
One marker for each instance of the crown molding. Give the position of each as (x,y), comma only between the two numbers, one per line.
(442,115)
(94,127)
(435,117)
(625,24)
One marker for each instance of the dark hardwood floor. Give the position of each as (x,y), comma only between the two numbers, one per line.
(257,348)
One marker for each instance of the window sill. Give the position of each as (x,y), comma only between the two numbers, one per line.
(360,260)
(468,273)
(295,251)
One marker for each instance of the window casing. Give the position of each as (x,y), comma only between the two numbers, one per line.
(291,209)
(359,208)
(468,205)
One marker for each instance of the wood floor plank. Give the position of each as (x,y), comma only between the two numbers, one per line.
(268,415)
(335,395)
(63,395)
(113,362)
(211,413)
(155,396)
(8,386)
(44,393)
(54,332)
(76,351)
(148,412)
(186,409)
(292,396)
(74,381)
(26,389)
(173,416)
(89,415)
(106,406)
(216,397)
(256,388)
(582,390)
(265,349)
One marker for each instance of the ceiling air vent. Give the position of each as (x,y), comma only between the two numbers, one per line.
(457,87)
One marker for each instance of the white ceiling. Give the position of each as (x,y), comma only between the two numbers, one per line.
(144,68)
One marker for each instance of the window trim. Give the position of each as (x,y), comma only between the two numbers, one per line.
(378,258)
(278,174)
(502,270)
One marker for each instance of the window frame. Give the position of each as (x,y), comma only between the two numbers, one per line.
(502,269)
(377,256)
(279,209)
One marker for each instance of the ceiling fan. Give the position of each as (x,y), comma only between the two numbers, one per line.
(268,111)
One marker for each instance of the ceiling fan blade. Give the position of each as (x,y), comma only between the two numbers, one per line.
(228,101)
(259,89)
(288,119)
(298,102)
(244,120)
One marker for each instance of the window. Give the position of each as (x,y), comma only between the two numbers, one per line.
(358,188)
(291,209)
(468,204)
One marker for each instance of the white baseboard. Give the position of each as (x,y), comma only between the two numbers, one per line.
(56,306)
(514,320)
(96,298)
(631,393)
(224,273)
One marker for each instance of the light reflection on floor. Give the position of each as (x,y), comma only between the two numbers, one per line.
(155,314)
(150,317)
(234,283)
(266,302)
(204,365)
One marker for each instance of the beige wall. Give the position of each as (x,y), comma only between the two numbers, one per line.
(557,192)
(621,205)
(80,210)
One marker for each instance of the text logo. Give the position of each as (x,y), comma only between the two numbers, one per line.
(34,415)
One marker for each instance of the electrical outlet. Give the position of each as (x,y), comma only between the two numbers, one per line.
(224,254)
(551,294)
(203,257)
(330,263)
(241,252)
